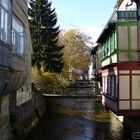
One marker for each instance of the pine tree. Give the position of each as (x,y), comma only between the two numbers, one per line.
(44,34)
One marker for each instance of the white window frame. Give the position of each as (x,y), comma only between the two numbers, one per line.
(5,21)
(18,37)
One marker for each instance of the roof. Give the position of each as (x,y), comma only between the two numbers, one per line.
(107,29)
(119,2)
(116,17)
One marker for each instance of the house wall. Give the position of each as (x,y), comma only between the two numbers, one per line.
(108,54)
(133,122)
(120,45)
(22,107)
(121,5)
(127,42)
(121,88)
(16,107)
(22,15)
(127,99)
(14,67)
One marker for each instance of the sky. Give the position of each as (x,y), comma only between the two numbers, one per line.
(90,16)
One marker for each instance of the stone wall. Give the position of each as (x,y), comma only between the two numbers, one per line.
(21,115)
(25,116)
(40,105)
(4,118)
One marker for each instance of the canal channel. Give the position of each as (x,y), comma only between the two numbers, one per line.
(78,119)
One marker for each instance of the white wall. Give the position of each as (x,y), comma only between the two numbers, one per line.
(90,71)
(124,3)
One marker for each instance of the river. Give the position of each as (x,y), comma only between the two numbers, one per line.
(78,119)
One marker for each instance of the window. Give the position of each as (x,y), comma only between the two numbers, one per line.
(123,37)
(113,85)
(103,84)
(17,36)
(5,20)
(112,45)
(105,80)
(134,50)
(133,31)
(105,49)
(109,85)
(108,46)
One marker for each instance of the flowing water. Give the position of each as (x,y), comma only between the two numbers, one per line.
(78,119)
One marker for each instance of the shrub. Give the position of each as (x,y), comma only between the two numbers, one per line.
(49,83)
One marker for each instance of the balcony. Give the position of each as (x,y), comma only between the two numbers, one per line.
(123,15)
(126,15)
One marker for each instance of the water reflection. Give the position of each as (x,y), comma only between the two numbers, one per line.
(78,119)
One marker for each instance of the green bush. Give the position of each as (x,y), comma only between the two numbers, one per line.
(49,83)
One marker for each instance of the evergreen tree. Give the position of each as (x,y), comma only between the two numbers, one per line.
(44,34)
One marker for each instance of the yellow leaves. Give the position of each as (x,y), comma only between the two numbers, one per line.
(75,52)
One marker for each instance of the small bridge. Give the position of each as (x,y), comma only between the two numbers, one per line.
(77,89)
(80,83)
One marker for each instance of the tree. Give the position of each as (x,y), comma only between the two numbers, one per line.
(76,52)
(44,33)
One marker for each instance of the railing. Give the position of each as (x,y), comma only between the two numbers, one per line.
(123,15)
(127,15)
(80,83)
